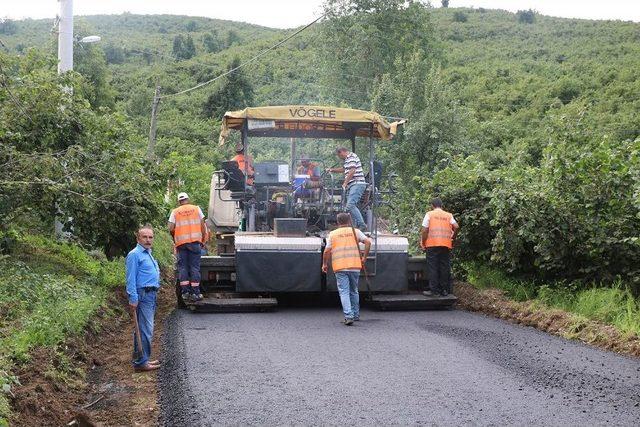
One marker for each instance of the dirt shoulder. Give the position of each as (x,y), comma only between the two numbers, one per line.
(494,303)
(92,376)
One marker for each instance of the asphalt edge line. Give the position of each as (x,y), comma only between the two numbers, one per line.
(177,401)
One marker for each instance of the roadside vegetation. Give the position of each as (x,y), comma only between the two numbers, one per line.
(51,291)
(525,125)
(612,305)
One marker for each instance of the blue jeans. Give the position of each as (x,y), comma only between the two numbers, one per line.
(348,290)
(146,310)
(189,263)
(354,194)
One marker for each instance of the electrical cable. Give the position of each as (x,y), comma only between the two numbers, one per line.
(251,60)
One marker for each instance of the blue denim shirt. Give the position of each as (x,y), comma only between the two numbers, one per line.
(141,271)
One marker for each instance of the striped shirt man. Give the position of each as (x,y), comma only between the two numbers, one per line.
(351,162)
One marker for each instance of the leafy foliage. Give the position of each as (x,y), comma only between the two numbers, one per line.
(526,16)
(365,39)
(235,92)
(513,125)
(57,151)
(183,47)
(211,42)
(7,26)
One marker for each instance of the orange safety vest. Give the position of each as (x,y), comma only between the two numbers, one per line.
(440,229)
(188,225)
(240,158)
(308,170)
(345,251)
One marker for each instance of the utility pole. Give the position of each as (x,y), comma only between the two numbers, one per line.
(65,36)
(152,130)
(65,63)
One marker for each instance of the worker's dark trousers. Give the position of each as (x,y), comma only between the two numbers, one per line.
(189,262)
(439,269)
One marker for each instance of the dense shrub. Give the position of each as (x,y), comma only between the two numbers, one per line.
(60,155)
(526,16)
(459,16)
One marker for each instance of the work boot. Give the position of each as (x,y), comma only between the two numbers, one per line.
(196,294)
(186,297)
(348,322)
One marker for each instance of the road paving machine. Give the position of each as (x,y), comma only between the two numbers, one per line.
(270,228)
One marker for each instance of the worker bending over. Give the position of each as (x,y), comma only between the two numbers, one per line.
(245,164)
(187,226)
(438,231)
(354,184)
(343,250)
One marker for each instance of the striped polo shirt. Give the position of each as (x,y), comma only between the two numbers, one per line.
(353,162)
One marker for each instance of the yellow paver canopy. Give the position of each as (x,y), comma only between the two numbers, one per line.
(308,121)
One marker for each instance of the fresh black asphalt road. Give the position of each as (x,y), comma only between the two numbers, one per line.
(301,366)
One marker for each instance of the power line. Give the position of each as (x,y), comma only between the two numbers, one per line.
(253,59)
(59,187)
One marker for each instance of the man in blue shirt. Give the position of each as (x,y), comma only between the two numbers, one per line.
(143,281)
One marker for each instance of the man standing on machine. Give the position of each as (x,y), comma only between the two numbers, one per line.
(354,184)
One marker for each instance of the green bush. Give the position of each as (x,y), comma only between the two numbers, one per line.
(459,16)
(67,256)
(163,248)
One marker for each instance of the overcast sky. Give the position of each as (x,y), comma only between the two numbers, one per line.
(292,13)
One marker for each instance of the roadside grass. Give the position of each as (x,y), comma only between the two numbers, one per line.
(49,292)
(613,305)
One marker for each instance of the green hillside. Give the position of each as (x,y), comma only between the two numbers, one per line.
(527,125)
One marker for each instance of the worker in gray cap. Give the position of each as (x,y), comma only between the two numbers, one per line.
(187,226)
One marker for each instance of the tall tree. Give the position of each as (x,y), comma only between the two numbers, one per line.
(233,93)
(211,42)
(188,48)
(232,38)
(55,148)
(191,26)
(364,39)
(7,26)
(526,16)
(90,61)
(183,47)
(178,42)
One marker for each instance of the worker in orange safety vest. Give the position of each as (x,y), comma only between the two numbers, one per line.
(437,234)
(245,163)
(346,262)
(187,226)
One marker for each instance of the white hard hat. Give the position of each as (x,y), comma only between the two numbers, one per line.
(182,196)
